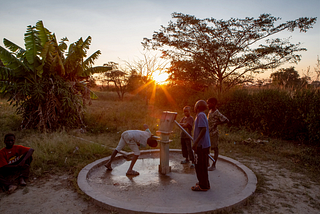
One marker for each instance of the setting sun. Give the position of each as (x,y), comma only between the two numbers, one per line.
(160,78)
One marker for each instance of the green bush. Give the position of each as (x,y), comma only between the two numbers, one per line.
(278,113)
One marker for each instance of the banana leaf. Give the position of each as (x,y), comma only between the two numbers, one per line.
(86,43)
(93,96)
(90,60)
(43,33)
(12,62)
(5,74)
(14,48)
(33,46)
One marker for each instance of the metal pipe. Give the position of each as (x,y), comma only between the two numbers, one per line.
(191,137)
(211,158)
(184,130)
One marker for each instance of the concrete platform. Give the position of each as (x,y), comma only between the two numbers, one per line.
(151,192)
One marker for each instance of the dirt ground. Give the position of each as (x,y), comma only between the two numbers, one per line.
(280,191)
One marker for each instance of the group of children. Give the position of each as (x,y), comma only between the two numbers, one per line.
(205,135)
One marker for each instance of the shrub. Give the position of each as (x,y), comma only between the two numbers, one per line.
(278,113)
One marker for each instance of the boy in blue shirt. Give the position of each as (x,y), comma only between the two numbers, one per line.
(201,146)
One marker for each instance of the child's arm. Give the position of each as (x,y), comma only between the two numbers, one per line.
(181,123)
(223,120)
(201,135)
(28,154)
(188,123)
(146,127)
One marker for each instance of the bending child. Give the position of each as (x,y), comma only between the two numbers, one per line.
(134,139)
(215,118)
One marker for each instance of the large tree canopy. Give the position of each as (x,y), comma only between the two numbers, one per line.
(225,51)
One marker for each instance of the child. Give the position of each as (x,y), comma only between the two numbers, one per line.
(187,123)
(134,139)
(201,146)
(215,118)
(15,161)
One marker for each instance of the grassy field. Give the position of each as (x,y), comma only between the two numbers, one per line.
(69,151)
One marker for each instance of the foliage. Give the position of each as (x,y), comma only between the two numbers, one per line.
(135,81)
(289,78)
(225,52)
(317,68)
(120,81)
(47,85)
(115,76)
(108,114)
(278,113)
(189,75)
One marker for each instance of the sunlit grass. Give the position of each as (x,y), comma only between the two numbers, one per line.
(60,152)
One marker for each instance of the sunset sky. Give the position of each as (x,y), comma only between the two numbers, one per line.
(118,27)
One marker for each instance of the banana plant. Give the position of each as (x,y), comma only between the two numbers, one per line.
(46,82)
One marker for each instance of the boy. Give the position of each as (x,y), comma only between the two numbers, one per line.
(134,139)
(187,123)
(15,162)
(215,118)
(201,146)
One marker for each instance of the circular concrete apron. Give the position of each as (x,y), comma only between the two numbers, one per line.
(151,192)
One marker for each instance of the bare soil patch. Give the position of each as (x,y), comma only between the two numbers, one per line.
(279,191)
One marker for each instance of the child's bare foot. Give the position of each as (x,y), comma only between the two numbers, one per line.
(185,161)
(22,182)
(11,189)
(212,168)
(108,166)
(132,172)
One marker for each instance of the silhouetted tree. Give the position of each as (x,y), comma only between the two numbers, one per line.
(289,78)
(225,51)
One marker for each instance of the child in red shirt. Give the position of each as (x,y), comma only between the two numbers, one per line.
(15,162)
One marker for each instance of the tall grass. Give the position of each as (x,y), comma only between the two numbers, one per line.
(113,115)
(9,120)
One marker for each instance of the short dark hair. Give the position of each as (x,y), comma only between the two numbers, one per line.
(9,135)
(201,105)
(152,142)
(213,100)
(187,107)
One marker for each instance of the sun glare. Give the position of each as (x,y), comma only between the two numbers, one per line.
(160,78)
